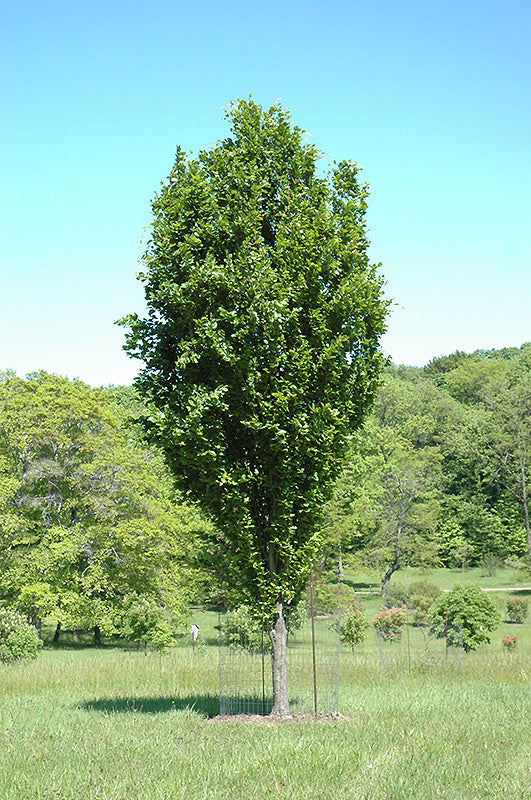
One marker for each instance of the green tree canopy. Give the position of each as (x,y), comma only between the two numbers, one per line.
(261,346)
(88,514)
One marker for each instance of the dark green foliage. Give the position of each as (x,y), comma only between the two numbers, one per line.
(261,345)
(466,616)
(18,639)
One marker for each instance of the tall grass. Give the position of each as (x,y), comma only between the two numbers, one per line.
(113,725)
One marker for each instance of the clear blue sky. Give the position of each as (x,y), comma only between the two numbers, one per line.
(431,98)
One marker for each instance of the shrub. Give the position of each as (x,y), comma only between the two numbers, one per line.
(353,624)
(18,639)
(420,603)
(396,596)
(517,609)
(327,597)
(509,643)
(411,595)
(422,594)
(389,622)
(243,631)
(424,589)
(521,567)
(489,564)
(465,615)
(146,622)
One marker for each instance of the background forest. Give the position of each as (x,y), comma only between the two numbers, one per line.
(93,534)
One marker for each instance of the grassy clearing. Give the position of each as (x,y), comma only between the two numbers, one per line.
(113,725)
(369,580)
(109,724)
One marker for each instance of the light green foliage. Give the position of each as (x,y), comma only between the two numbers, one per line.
(90,512)
(492,446)
(261,345)
(394,501)
(18,639)
(421,604)
(469,531)
(463,422)
(507,432)
(328,596)
(243,630)
(421,596)
(146,622)
(398,595)
(424,588)
(466,616)
(354,625)
(521,568)
(416,596)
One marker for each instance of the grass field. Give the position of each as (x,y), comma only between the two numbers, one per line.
(116,725)
(111,724)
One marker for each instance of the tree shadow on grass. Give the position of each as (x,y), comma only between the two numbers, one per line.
(205,705)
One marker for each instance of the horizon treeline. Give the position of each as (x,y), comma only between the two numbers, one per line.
(91,523)
(439,475)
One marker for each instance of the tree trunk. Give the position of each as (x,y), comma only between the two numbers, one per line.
(390,571)
(97,636)
(527,529)
(392,568)
(37,624)
(385,583)
(279,663)
(340,570)
(57,633)
(526,509)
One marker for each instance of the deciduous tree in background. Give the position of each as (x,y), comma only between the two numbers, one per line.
(88,515)
(261,347)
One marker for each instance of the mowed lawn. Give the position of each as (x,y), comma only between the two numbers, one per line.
(81,724)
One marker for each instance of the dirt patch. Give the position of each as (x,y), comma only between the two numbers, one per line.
(273,719)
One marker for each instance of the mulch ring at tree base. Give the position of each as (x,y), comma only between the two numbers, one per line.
(274,719)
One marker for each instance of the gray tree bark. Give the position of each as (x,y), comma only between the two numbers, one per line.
(279,663)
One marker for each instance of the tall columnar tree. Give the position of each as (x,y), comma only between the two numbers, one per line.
(261,346)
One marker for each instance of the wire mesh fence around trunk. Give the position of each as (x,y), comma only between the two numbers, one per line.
(245,677)
(317,663)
